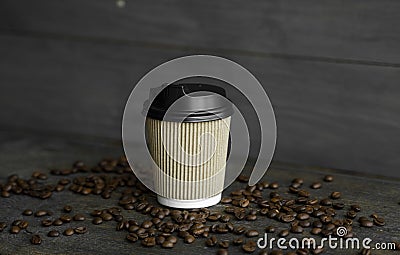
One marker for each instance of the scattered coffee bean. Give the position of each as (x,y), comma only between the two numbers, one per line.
(36,240)
(149,242)
(79,217)
(15,230)
(80,230)
(249,247)
(270,229)
(316,185)
(41,213)
(366,223)
(212,241)
(69,232)
(132,237)
(167,245)
(53,233)
(222,252)
(57,222)
(47,223)
(97,220)
(67,208)
(284,233)
(328,178)
(252,233)
(336,195)
(27,212)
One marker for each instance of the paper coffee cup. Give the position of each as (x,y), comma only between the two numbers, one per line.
(187,133)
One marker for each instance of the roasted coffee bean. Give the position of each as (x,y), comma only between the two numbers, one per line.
(224,244)
(225,218)
(212,241)
(80,230)
(325,202)
(338,206)
(3,225)
(41,213)
(23,224)
(317,251)
(36,240)
(132,237)
(316,231)
(366,223)
(226,200)
(189,239)
(67,208)
(149,242)
(66,218)
(270,229)
(57,222)
(296,229)
(222,252)
(27,212)
(147,224)
(172,239)
(303,193)
(351,214)
(15,230)
(238,241)
(239,230)
(303,216)
(240,215)
(273,185)
(263,252)
(95,213)
(167,245)
(355,208)
(316,185)
(243,178)
(328,178)
(214,217)
(249,246)
(5,194)
(79,217)
(287,218)
(160,239)
(305,223)
(97,220)
(302,251)
(330,226)
(251,217)
(379,221)
(69,232)
(53,233)
(229,209)
(252,233)
(106,216)
(284,233)
(365,251)
(336,195)
(47,223)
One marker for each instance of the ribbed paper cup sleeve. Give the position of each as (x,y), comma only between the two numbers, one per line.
(185,170)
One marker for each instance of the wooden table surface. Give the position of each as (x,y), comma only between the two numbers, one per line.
(21,154)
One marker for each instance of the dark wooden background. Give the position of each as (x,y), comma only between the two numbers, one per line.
(331,68)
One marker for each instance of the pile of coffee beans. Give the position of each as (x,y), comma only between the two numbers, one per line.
(165,227)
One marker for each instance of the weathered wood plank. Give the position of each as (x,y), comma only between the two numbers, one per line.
(346,116)
(357,29)
(21,154)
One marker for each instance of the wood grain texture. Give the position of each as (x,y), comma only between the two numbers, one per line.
(346,116)
(354,30)
(21,154)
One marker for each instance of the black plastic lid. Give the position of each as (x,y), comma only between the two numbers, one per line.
(196,103)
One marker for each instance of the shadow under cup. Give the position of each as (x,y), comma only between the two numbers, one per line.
(187,134)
